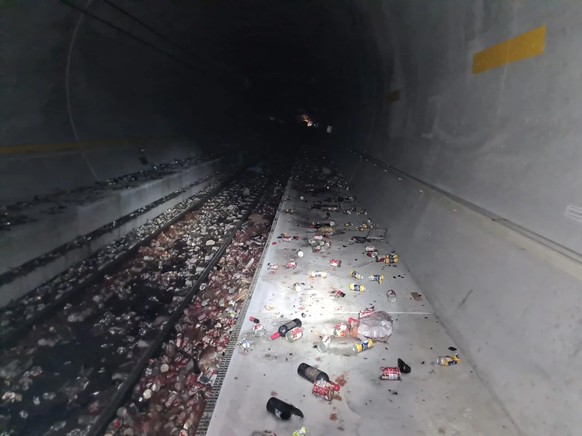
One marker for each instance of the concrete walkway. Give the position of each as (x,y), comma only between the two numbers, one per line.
(430,400)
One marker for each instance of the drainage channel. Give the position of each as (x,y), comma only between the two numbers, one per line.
(221,374)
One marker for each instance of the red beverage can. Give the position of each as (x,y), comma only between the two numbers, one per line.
(323,389)
(335,262)
(294,334)
(390,373)
(339,293)
(367,312)
(292,264)
(341,330)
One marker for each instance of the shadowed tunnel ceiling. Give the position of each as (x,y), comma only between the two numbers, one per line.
(213,67)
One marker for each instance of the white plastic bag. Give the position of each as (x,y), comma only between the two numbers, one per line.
(376,326)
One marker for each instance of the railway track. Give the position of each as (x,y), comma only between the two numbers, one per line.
(25,312)
(70,370)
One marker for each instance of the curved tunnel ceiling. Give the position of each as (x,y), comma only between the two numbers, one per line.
(222,61)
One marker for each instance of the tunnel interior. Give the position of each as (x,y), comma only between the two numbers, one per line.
(455,123)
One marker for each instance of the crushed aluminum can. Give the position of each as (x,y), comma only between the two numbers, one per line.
(335,262)
(356,275)
(318,237)
(377,278)
(341,330)
(366,312)
(448,360)
(339,293)
(294,334)
(389,259)
(316,248)
(390,373)
(323,389)
(300,432)
(324,344)
(370,249)
(364,345)
(273,266)
(209,378)
(321,274)
(292,264)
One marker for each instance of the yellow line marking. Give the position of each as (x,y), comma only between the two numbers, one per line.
(524,46)
(43,148)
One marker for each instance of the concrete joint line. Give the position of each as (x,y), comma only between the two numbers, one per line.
(549,251)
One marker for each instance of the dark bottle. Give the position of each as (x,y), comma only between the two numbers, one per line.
(312,374)
(285,328)
(281,409)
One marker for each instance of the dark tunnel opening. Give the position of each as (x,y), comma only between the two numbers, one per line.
(216,67)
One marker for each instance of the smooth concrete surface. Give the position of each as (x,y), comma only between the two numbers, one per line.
(30,240)
(505,139)
(515,316)
(431,400)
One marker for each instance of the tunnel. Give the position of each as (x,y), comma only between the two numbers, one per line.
(452,122)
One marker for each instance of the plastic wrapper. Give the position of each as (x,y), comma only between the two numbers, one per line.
(376,326)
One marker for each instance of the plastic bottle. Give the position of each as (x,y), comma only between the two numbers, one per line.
(282,331)
(312,374)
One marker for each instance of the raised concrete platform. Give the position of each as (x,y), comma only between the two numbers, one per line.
(430,400)
(81,216)
(88,212)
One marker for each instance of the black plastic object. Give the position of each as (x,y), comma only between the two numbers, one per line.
(404,368)
(282,331)
(281,409)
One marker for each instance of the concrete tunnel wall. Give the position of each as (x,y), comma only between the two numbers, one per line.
(79,100)
(397,82)
(485,207)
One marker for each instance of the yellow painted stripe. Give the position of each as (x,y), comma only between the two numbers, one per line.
(45,148)
(393,96)
(524,46)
